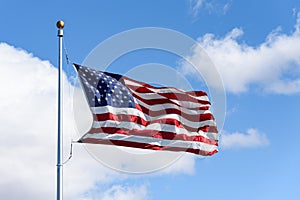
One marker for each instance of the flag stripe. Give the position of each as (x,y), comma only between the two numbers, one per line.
(145,117)
(174,96)
(152,127)
(146,146)
(193,121)
(197,94)
(152,108)
(185,104)
(165,111)
(143,122)
(145,113)
(153,141)
(155,134)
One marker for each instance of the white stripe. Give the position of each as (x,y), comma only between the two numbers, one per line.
(159,96)
(165,90)
(153,127)
(155,95)
(135,112)
(195,125)
(153,141)
(158,107)
(180,104)
(184,104)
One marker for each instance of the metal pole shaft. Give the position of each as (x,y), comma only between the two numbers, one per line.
(59,184)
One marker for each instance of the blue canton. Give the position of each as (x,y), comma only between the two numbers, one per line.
(103,88)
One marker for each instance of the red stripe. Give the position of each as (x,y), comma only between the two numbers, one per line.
(146,146)
(164,111)
(166,101)
(154,134)
(211,129)
(121,117)
(203,116)
(141,121)
(194,93)
(171,95)
(147,85)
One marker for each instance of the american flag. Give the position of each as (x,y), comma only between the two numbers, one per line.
(130,113)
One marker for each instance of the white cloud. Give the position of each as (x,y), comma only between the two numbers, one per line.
(23,121)
(119,192)
(195,6)
(186,165)
(273,65)
(226,7)
(253,138)
(212,6)
(28,136)
(28,132)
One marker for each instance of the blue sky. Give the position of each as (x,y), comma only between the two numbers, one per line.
(255,47)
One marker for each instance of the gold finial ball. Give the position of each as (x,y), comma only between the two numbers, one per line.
(60,24)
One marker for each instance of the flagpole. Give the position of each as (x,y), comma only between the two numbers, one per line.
(59,178)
